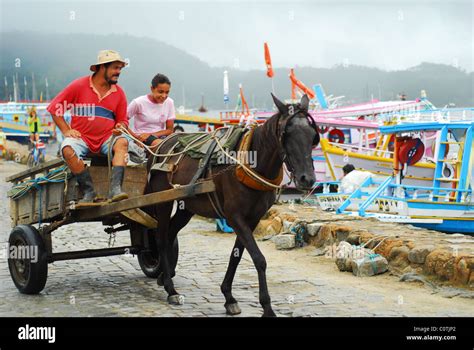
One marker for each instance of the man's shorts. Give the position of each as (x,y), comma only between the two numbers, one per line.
(81,149)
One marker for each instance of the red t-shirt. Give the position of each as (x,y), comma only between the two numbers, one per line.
(93,116)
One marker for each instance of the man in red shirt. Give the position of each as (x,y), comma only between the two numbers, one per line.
(98,108)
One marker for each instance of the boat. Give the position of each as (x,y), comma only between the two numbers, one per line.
(448,208)
(14,117)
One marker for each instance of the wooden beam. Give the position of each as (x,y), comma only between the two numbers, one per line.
(141,217)
(181,192)
(35,170)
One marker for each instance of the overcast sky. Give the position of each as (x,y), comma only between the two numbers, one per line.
(380,33)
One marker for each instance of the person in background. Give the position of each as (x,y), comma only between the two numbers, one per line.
(153,115)
(34,124)
(3,143)
(352,179)
(98,112)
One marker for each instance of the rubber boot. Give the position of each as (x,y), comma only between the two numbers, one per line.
(115,193)
(84,181)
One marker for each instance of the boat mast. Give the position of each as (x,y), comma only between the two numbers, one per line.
(34,93)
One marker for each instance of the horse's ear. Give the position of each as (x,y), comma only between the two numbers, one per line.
(282,108)
(304,102)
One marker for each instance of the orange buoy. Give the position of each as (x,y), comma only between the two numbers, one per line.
(336,135)
(411,151)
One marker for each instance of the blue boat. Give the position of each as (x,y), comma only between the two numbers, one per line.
(14,117)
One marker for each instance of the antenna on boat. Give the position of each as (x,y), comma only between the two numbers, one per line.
(34,93)
(47,88)
(25,83)
(6,88)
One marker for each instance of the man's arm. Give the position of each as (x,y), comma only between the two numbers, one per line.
(59,105)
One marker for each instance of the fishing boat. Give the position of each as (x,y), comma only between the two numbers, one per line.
(363,146)
(447,204)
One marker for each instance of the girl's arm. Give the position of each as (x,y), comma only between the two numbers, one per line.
(168,131)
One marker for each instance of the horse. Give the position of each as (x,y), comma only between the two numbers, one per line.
(285,138)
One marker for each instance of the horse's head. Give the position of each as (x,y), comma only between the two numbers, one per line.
(297,134)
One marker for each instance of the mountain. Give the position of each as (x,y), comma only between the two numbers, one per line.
(63,57)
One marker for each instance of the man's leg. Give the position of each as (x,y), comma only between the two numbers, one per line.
(119,162)
(72,151)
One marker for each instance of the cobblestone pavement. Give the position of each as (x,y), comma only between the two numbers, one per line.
(300,283)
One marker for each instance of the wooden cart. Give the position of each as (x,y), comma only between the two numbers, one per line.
(51,205)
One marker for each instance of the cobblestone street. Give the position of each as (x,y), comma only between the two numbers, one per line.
(300,283)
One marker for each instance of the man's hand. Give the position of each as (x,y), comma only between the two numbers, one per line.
(116,131)
(143,137)
(72,133)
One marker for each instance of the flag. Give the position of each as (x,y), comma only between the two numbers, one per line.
(268,61)
(300,85)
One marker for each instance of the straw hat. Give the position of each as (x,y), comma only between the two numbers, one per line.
(106,56)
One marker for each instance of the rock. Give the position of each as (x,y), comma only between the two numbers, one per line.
(418,254)
(347,253)
(353,238)
(364,237)
(399,257)
(270,214)
(261,229)
(284,241)
(287,225)
(343,255)
(275,226)
(440,262)
(313,229)
(464,270)
(319,252)
(329,234)
(342,232)
(267,237)
(369,265)
(386,246)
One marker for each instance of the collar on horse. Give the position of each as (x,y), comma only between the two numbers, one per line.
(246,177)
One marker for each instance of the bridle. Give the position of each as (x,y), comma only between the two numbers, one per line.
(281,132)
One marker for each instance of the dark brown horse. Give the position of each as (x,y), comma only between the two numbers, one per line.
(287,137)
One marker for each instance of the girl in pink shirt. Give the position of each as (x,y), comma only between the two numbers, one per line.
(153,114)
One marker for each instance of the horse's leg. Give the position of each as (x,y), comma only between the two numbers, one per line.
(231,305)
(163,213)
(245,235)
(177,222)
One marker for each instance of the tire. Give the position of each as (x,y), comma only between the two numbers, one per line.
(149,261)
(28,275)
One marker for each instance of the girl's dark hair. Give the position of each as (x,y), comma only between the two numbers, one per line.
(160,79)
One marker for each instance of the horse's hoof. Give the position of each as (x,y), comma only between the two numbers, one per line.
(232,309)
(269,314)
(159,280)
(176,299)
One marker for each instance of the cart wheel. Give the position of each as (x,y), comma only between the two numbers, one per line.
(150,261)
(27,260)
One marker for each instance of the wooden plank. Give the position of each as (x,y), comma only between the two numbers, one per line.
(141,217)
(145,200)
(35,170)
